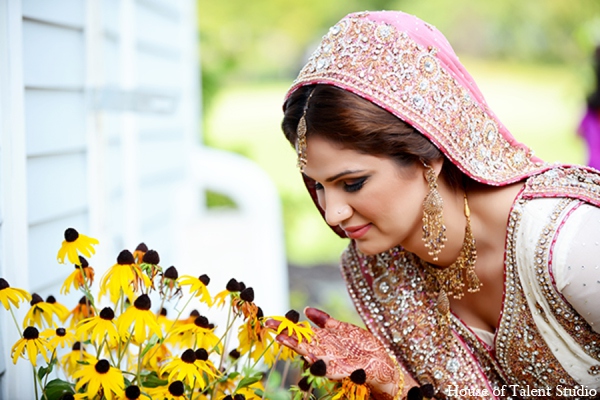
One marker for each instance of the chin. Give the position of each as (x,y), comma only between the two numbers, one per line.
(370,249)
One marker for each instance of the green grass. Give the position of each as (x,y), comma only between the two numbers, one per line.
(541,106)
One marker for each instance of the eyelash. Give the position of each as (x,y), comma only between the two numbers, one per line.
(348,187)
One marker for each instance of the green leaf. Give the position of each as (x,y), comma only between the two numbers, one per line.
(153,340)
(249,380)
(57,388)
(152,380)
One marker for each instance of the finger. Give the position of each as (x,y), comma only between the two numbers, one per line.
(272,323)
(300,348)
(317,316)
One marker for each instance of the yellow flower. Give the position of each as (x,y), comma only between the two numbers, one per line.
(75,242)
(149,263)
(124,277)
(59,337)
(143,321)
(156,356)
(82,310)
(200,333)
(232,289)
(82,274)
(188,368)
(32,344)
(354,387)
(76,358)
(60,310)
(198,287)
(100,327)
(174,391)
(41,312)
(133,392)
(255,338)
(168,286)
(100,376)
(12,295)
(301,330)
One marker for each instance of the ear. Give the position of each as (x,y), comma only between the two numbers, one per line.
(436,164)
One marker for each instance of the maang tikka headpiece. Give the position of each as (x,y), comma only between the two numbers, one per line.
(301,136)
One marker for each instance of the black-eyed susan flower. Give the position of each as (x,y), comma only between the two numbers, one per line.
(99,328)
(133,392)
(98,378)
(9,295)
(232,287)
(82,275)
(32,344)
(244,303)
(189,369)
(75,243)
(200,333)
(173,391)
(138,253)
(141,318)
(149,263)
(73,360)
(156,356)
(354,387)
(316,374)
(125,277)
(168,285)
(84,309)
(60,310)
(39,312)
(59,337)
(254,339)
(299,330)
(198,287)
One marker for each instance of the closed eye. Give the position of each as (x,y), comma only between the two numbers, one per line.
(355,185)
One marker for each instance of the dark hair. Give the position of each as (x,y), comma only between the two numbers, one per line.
(355,123)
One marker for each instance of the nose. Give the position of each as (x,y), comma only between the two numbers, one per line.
(336,209)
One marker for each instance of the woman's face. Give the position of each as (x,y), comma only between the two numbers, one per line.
(377,202)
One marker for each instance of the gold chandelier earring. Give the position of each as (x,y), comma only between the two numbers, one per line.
(434,230)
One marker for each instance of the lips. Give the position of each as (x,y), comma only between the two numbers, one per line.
(356,232)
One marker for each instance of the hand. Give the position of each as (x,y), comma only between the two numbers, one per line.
(345,348)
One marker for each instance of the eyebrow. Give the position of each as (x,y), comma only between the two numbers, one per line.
(337,176)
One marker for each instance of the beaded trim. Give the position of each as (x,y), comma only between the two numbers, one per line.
(387,67)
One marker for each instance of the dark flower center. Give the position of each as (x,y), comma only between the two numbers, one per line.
(176,388)
(202,354)
(83,300)
(102,366)
(71,235)
(247,294)
(259,313)
(143,303)
(293,316)
(51,300)
(188,356)
(163,312)
(132,392)
(76,346)
(107,313)
(233,285)
(427,390)
(204,279)
(3,284)
(201,322)
(242,285)
(318,368)
(35,298)
(414,394)
(194,313)
(31,332)
(61,332)
(304,385)
(228,397)
(239,396)
(171,273)
(125,258)
(142,247)
(67,396)
(151,257)
(82,262)
(359,376)
(235,354)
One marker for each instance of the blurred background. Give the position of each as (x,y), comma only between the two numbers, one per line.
(158,121)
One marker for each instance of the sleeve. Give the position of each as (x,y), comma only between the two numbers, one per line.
(577,274)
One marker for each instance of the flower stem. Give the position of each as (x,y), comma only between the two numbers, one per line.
(15,319)
(271,370)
